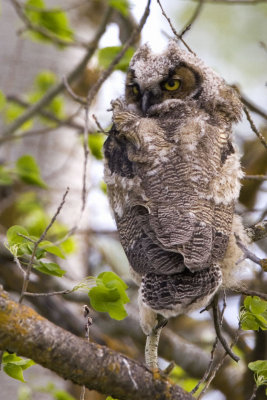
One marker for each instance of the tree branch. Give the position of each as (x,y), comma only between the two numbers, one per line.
(58,88)
(97,367)
(218,329)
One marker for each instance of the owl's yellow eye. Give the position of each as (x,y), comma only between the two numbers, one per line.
(135,90)
(172,84)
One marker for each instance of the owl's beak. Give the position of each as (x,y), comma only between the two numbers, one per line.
(146,103)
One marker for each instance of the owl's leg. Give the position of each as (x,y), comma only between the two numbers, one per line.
(152,324)
(152,343)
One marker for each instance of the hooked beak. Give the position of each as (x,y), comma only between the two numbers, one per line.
(146,101)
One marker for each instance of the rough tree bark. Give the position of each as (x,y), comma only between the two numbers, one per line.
(28,334)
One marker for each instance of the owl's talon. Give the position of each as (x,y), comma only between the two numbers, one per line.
(169,368)
(161,322)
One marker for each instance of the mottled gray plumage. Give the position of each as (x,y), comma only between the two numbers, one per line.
(172,174)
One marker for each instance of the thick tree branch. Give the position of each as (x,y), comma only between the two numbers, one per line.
(97,367)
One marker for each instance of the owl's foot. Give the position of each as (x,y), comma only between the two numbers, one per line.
(152,343)
(169,368)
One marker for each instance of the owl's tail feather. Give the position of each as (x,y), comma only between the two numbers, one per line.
(170,295)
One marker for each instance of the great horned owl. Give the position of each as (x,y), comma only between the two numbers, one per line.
(172,174)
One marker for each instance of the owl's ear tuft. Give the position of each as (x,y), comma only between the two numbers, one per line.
(173,50)
(141,54)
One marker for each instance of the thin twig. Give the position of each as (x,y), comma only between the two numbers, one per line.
(101,129)
(47,294)
(58,88)
(247,292)
(19,265)
(86,155)
(36,244)
(253,127)
(212,354)
(173,29)
(218,366)
(217,327)
(253,107)
(256,177)
(193,18)
(89,321)
(76,97)
(253,395)
(248,254)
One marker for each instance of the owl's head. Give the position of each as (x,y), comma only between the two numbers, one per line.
(157,83)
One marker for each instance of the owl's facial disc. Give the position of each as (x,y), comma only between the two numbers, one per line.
(149,93)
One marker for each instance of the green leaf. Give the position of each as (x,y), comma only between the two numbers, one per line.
(112,280)
(107,54)
(14,365)
(109,295)
(247,302)
(248,322)
(44,80)
(2,100)
(15,371)
(121,5)
(261,321)
(51,248)
(258,366)
(12,235)
(69,245)
(254,314)
(95,143)
(258,306)
(49,269)
(5,176)
(54,21)
(62,395)
(28,171)
(111,398)
(103,187)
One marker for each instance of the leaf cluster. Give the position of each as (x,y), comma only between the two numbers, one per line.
(14,365)
(260,372)
(253,315)
(21,244)
(109,295)
(54,22)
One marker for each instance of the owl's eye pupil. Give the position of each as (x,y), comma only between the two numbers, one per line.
(172,84)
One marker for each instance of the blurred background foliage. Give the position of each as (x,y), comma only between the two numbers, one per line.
(40,43)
